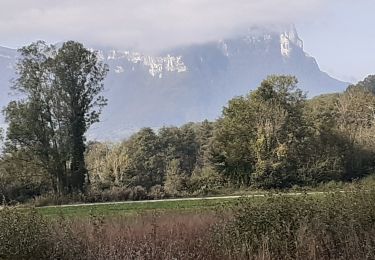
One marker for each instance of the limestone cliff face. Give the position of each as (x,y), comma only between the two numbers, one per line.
(289,41)
(191,83)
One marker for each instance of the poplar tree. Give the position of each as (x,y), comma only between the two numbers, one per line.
(61,98)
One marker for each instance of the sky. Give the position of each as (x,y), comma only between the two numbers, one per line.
(340,34)
(342,38)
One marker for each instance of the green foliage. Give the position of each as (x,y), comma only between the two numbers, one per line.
(368,84)
(151,159)
(326,149)
(20,180)
(176,182)
(180,144)
(205,181)
(24,235)
(273,138)
(145,164)
(260,137)
(80,74)
(301,227)
(343,147)
(61,89)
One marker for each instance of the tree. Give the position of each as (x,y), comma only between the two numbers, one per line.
(325,155)
(176,182)
(204,134)
(107,164)
(344,126)
(368,84)
(356,122)
(260,137)
(180,144)
(1,137)
(21,180)
(61,99)
(79,75)
(231,148)
(145,165)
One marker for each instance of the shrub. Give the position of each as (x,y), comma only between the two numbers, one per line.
(138,193)
(205,181)
(54,199)
(157,192)
(24,235)
(116,194)
(369,181)
(334,226)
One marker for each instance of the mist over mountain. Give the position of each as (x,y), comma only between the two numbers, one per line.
(191,83)
(7,61)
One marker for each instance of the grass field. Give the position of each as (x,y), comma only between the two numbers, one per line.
(130,208)
(197,205)
(121,209)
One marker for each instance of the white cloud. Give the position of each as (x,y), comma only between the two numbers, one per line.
(143,24)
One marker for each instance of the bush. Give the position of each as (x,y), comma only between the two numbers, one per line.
(23,235)
(138,193)
(157,192)
(20,192)
(116,194)
(368,181)
(50,199)
(334,226)
(53,199)
(205,181)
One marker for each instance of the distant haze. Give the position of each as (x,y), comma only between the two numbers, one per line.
(338,32)
(146,25)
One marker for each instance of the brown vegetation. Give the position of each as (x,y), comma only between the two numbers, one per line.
(331,226)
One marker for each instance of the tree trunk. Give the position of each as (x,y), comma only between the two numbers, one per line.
(77,165)
(61,180)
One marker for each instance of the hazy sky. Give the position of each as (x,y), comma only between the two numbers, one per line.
(342,38)
(339,33)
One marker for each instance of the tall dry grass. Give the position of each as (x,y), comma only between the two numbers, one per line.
(333,226)
(150,236)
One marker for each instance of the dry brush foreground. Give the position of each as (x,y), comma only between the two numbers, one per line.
(330,226)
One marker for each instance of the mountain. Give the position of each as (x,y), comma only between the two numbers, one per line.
(7,60)
(192,83)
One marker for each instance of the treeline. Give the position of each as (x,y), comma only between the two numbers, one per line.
(173,161)
(272,138)
(275,138)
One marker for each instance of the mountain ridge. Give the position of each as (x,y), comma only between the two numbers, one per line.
(192,83)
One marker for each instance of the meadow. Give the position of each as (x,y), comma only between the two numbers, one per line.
(334,225)
(133,208)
